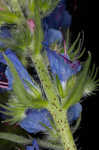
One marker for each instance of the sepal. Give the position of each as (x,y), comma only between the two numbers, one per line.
(59,87)
(75,127)
(78,88)
(92,84)
(69,85)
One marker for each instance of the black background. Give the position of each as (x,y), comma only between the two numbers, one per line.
(85,18)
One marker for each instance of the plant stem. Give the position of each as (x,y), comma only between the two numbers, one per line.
(54,106)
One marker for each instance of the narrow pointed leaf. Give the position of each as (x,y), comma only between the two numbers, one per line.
(18,86)
(73,45)
(15,138)
(74,54)
(76,126)
(68,38)
(78,88)
(9,17)
(39,103)
(35,91)
(81,54)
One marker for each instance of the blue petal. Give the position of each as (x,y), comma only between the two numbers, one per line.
(23,74)
(53,35)
(4,33)
(74,112)
(32,122)
(63,68)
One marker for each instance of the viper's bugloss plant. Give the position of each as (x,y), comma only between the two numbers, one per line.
(31,35)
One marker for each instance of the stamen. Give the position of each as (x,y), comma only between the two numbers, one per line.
(65,50)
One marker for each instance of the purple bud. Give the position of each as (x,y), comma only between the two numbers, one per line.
(74,112)
(60,17)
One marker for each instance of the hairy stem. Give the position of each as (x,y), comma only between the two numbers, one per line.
(54,106)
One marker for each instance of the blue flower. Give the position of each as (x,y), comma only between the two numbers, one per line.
(74,112)
(60,17)
(34,117)
(34,146)
(23,74)
(61,65)
(31,123)
(4,33)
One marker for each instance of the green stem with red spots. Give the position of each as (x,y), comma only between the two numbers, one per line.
(54,106)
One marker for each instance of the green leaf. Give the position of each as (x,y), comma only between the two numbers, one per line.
(39,103)
(77,90)
(71,49)
(68,38)
(13,6)
(8,17)
(76,126)
(92,84)
(52,132)
(36,92)
(38,32)
(47,6)
(49,145)
(18,86)
(15,138)
(69,85)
